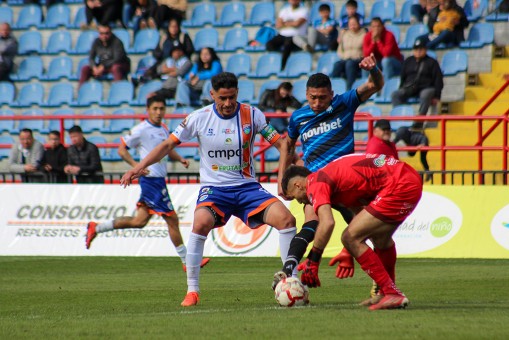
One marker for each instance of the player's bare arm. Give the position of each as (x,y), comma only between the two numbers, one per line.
(174,156)
(287,155)
(325,226)
(375,80)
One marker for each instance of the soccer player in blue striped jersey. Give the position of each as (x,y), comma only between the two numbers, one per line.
(325,128)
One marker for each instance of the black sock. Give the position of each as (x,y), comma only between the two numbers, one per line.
(299,245)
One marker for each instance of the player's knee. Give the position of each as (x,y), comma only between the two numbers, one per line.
(287,221)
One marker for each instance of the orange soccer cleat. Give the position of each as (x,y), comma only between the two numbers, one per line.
(91,234)
(203,263)
(391,301)
(191,299)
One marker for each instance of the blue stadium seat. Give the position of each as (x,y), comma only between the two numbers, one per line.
(184,110)
(89,93)
(361,9)
(480,34)
(173,123)
(30,42)
(338,85)
(55,124)
(6,15)
(30,67)
(454,62)
(82,62)
(474,14)
(120,92)
(59,41)
(33,124)
(60,67)
(271,154)
(236,38)
(84,43)
(58,15)
(144,64)
(268,64)
(144,90)
(204,13)
(123,35)
(7,92)
(8,125)
(239,64)
(326,62)
(96,140)
(394,30)
(384,9)
(268,85)
(186,151)
(496,15)
(390,86)
(4,153)
(263,35)
(120,125)
(232,13)
(79,19)
(299,90)
(314,14)
(262,13)
(30,15)
(413,32)
(145,41)
(246,91)
(30,94)
(401,111)
(206,37)
(299,63)
(362,126)
(404,15)
(90,125)
(111,154)
(59,94)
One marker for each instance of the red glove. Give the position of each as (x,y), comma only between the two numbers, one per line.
(345,263)
(310,267)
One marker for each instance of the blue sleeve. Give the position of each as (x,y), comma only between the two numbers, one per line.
(215,69)
(293,131)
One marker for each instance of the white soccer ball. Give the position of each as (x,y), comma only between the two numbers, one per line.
(291,292)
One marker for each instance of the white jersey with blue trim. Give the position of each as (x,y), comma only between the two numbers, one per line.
(145,137)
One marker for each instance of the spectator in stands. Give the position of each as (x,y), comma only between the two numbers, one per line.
(350,52)
(279,100)
(173,70)
(324,31)
(175,37)
(25,157)
(351,7)
(503,6)
(84,161)
(8,50)
(291,22)
(105,12)
(168,10)
(107,55)
(424,11)
(142,12)
(54,159)
(444,29)
(382,43)
(413,136)
(207,66)
(421,77)
(380,143)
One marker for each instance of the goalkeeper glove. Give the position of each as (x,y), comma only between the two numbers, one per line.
(310,267)
(345,264)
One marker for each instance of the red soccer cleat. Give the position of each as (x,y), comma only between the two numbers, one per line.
(203,263)
(391,301)
(191,299)
(91,234)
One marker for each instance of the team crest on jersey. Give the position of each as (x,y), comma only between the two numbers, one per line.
(228,131)
(228,141)
(379,161)
(246,128)
(203,198)
(210,132)
(184,122)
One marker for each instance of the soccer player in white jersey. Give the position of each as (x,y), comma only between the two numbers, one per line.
(226,132)
(154,198)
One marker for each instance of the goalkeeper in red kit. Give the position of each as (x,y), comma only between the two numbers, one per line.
(381,191)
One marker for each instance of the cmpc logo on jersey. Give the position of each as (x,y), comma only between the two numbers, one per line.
(434,222)
(236,238)
(500,227)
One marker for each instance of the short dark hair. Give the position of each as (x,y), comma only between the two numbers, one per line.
(291,172)
(378,19)
(224,80)
(285,85)
(351,3)
(156,99)
(54,132)
(319,80)
(27,130)
(324,7)
(75,128)
(105,26)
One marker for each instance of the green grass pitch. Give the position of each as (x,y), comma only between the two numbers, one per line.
(139,298)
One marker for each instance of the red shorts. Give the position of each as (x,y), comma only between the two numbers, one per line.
(394,203)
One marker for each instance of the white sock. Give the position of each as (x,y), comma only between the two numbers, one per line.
(104,227)
(285,237)
(181,250)
(194,256)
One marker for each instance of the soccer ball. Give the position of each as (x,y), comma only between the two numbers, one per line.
(291,292)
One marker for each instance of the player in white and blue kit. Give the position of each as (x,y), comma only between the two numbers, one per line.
(226,132)
(154,198)
(325,128)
